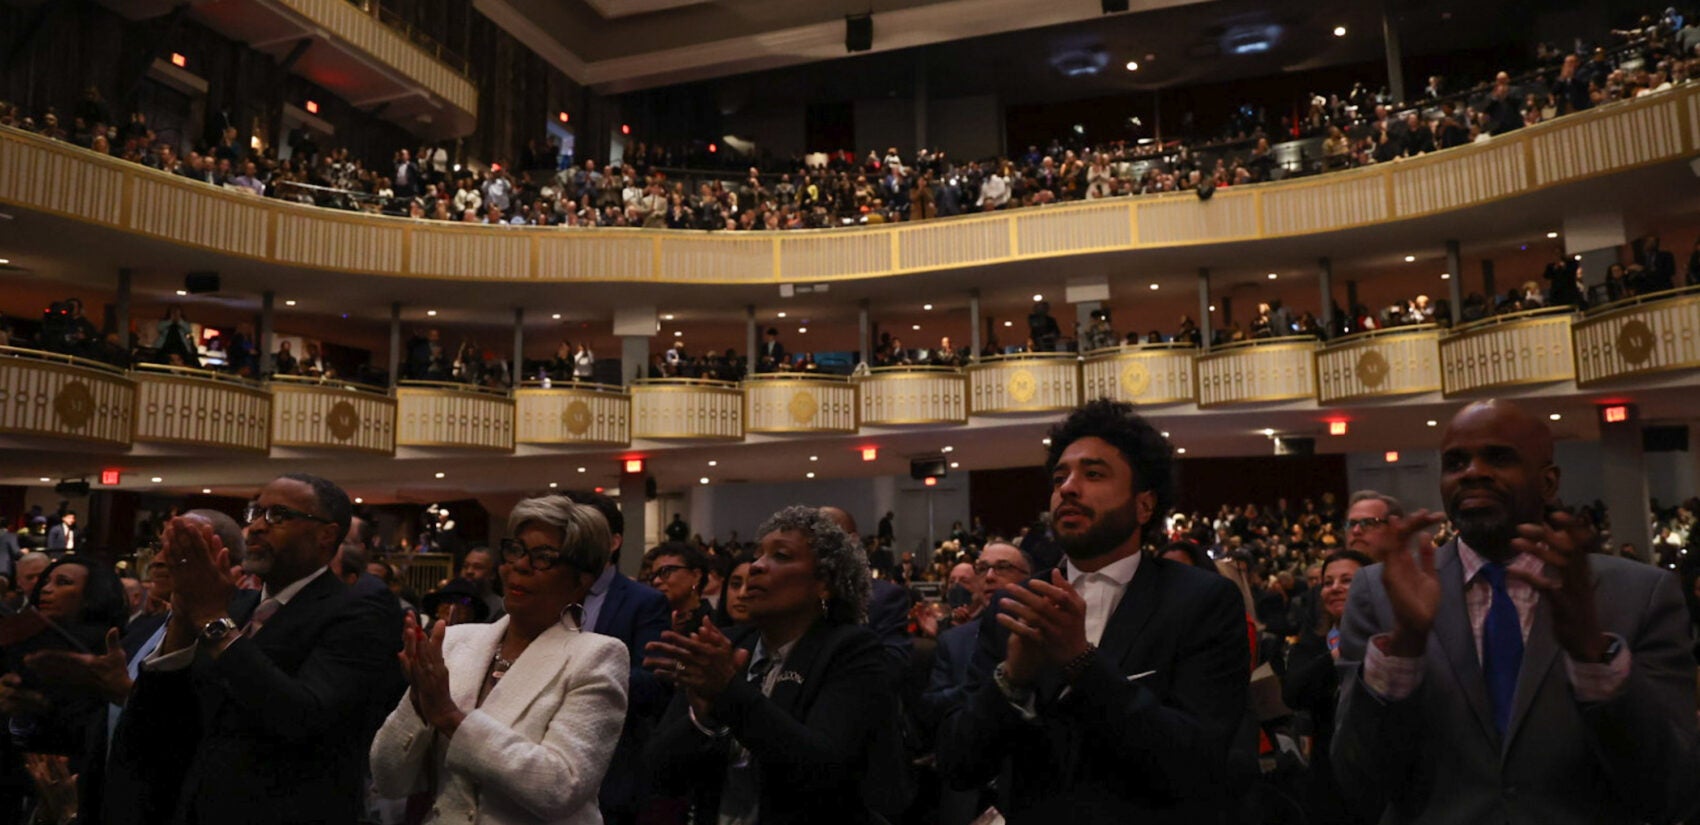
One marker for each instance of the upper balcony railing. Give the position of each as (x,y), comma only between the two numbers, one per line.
(184,405)
(1142,374)
(1652,333)
(1518,349)
(39,174)
(1029,383)
(1382,363)
(1262,370)
(446,414)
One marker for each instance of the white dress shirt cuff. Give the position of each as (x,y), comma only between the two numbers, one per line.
(167,662)
(712,733)
(1598,682)
(1387,677)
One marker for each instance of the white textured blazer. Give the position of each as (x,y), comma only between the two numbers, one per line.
(537,749)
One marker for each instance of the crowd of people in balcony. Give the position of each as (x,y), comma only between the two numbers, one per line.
(837,189)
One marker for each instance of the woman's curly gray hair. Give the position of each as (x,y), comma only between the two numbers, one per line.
(838,560)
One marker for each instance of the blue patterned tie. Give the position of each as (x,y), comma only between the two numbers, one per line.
(1502,647)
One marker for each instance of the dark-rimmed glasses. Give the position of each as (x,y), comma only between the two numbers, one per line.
(543,557)
(1364,523)
(278,514)
(1004,568)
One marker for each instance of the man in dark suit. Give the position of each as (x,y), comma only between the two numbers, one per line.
(1109,692)
(637,615)
(772,353)
(1511,675)
(1658,266)
(269,693)
(64,537)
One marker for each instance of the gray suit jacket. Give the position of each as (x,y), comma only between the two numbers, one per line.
(1435,756)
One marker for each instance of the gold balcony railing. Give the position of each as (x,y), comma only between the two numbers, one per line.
(184,405)
(1264,370)
(908,396)
(446,414)
(1511,350)
(569,412)
(1027,383)
(792,403)
(1142,374)
(310,412)
(388,38)
(62,396)
(1382,363)
(687,408)
(1647,334)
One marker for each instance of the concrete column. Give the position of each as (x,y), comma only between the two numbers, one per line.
(1487,280)
(974,341)
(1624,473)
(1204,322)
(516,369)
(751,337)
(395,343)
(632,510)
(267,344)
(1325,282)
(121,308)
(864,334)
(634,359)
(1455,284)
(1395,67)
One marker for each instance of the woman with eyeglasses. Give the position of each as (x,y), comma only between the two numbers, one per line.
(678,570)
(792,718)
(514,721)
(1312,685)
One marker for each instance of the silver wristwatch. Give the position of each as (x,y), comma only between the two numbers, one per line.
(217,630)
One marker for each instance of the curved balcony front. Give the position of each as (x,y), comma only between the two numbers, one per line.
(62,396)
(790,403)
(1141,374)
(1382,363)
(1026,383)
(1253,372)
(573,413)
(334,415)
(184,405)
(1643,335)
(912,396)
(446,414)
(1512,350)
(672,409)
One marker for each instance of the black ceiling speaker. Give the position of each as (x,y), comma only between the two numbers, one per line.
(196,283)
(1113,6)
(858,32)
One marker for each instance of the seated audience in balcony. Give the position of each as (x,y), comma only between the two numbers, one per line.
(1098,334)
(283,361)
(176,338)
(947,355)
(1617,283)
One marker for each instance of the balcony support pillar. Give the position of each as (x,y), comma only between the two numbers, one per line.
(1454,280)
(516,370)
(751,337)
(1325,282)
(974,325)
(865,334)
(395,343)
(1624,469)
(1204,322)
(121,308)
(268,299)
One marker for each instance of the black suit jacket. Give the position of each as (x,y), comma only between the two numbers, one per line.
(635,614)
(826,742)
(283,716)
(1113,750)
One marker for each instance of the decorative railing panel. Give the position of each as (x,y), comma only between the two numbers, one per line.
(589,414)
(1334,202)
(1613,138)
(311,237)
(431,414)
(799,405)
(63,397)
(895,397)
(334,416)
(835,255)
(1279,369)
(1155,374)
(1065,229)
(51,177)
(1508,351)
(954,243)
(207,409)
(1381,364)
(198,214)
(687,409)
(1024,384)
(1475,174)
(1654,333)
(735,257)
(1183,218)
(498,253)
(583,255)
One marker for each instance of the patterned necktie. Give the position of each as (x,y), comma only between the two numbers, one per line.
(1502,647)
(262,613)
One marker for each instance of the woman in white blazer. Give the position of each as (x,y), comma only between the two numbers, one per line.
(514,722)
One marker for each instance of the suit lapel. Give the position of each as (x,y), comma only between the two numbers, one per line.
(1538,656)
(536,667)
(1138,605)
(1452,630)
(798,669)
(612,602)
(469,661)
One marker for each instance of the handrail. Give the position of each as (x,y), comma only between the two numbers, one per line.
(572,384)
(1650,297)
(823,377)
(59,357)
(452,386)
(1358,337)
(705,383)
(1028,356)
(921,368)
(1509,317)
(1253,343)
(199,374)
(329,384)
(1118,349)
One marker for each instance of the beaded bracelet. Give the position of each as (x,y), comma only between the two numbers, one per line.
(1078,664)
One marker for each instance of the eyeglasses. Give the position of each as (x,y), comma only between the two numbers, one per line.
(1003,568)
(278,514)
(1364,523)
(543,557)
(666,570)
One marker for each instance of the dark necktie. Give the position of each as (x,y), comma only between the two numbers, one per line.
(1502,647)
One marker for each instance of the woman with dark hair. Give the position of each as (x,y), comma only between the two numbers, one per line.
(793,718)
(1312,685)
(679,570)
(734,607)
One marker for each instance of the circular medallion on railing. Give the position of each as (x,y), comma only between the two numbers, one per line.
(1372,368)
(1136,379)
(1635,341)
(803,407)
(1021,386)
(343,421)
(74,405)
(577,418)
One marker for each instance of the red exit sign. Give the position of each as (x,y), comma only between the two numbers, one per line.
(1619,414)
(109,477)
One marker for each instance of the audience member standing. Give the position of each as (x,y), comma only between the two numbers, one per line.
(64,537)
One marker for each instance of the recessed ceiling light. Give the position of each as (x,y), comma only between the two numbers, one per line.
(927,307)
(431,312)
(955,465)
(1133,65)
(947,449)
(814,458)
(1273,276)
(1181,450)
(1038,297)
(713,463)
(1446,276)
(4,261)
(1212,307)
(1578,257)
(703,480)
(206,491)
(1045,441)
(1552,234)
(556,316)
(1269,432)
(667,317)
(156,479)
(1410,258)
(915,327)
(1153,286)
(45,478)
(1009,323)
(289,303)
(808,475)
(1433,423)
(440,475)
(553,485)
(802,330)
(1555,416)
(358,500)
(1165,433)
(581,469)
(182,292)
(678,333)
(782,315)
(1339,31)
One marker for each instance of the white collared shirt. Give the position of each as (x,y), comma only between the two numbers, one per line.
(1102,590)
